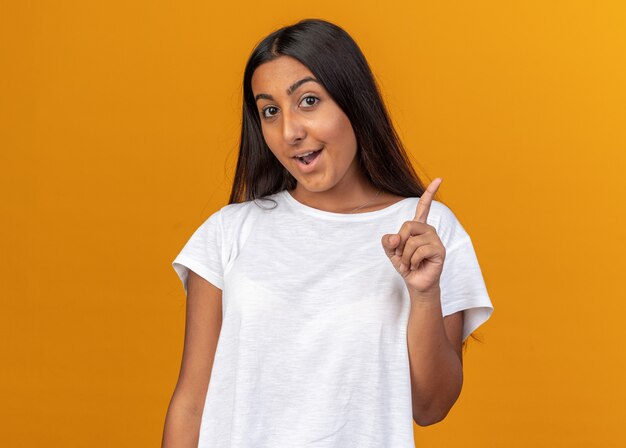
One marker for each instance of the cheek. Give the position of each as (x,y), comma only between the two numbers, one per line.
(339,133)
(270,139)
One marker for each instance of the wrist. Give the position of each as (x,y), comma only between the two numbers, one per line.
(428,298)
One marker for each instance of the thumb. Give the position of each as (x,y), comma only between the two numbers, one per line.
(390,241)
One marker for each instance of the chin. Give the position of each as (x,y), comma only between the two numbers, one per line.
(315,189)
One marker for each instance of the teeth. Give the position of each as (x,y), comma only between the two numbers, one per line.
(306,154)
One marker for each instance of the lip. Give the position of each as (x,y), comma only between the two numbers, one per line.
(308,150)
(311,166)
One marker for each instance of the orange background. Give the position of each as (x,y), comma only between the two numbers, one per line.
(119,124)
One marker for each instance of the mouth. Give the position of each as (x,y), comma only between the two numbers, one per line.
(308,159)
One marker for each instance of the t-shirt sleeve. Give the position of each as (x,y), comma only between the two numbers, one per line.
(203,253)
(462,283)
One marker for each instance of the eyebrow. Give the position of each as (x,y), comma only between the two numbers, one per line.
(290,90)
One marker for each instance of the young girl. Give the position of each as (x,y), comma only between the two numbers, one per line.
(328,301)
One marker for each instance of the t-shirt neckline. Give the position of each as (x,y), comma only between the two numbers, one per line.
(343,216)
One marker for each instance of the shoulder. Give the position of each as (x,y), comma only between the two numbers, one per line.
(439,212)
(441,217)
(240,211)
(239,218)
(442,213)
(448,226)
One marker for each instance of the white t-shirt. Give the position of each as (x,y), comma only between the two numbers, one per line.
(312,350)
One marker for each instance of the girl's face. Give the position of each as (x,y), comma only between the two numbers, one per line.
(298,116)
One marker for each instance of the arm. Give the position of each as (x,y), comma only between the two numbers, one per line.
(202,329)
(435,358)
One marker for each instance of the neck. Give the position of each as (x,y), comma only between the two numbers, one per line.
(336,201)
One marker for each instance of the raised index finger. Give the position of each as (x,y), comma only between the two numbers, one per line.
(423,205)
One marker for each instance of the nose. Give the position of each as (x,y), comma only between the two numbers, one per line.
(293,129)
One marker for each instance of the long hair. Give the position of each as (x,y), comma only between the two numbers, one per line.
(339,65)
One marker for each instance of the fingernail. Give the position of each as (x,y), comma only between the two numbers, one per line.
(397,251)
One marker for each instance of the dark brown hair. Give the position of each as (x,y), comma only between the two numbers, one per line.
(339,65)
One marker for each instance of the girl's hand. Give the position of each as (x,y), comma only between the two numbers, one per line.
(416,250)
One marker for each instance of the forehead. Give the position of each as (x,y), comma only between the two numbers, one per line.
(277,75)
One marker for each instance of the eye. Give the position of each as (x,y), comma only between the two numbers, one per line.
(310,104)
(310,97)
(265,109)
